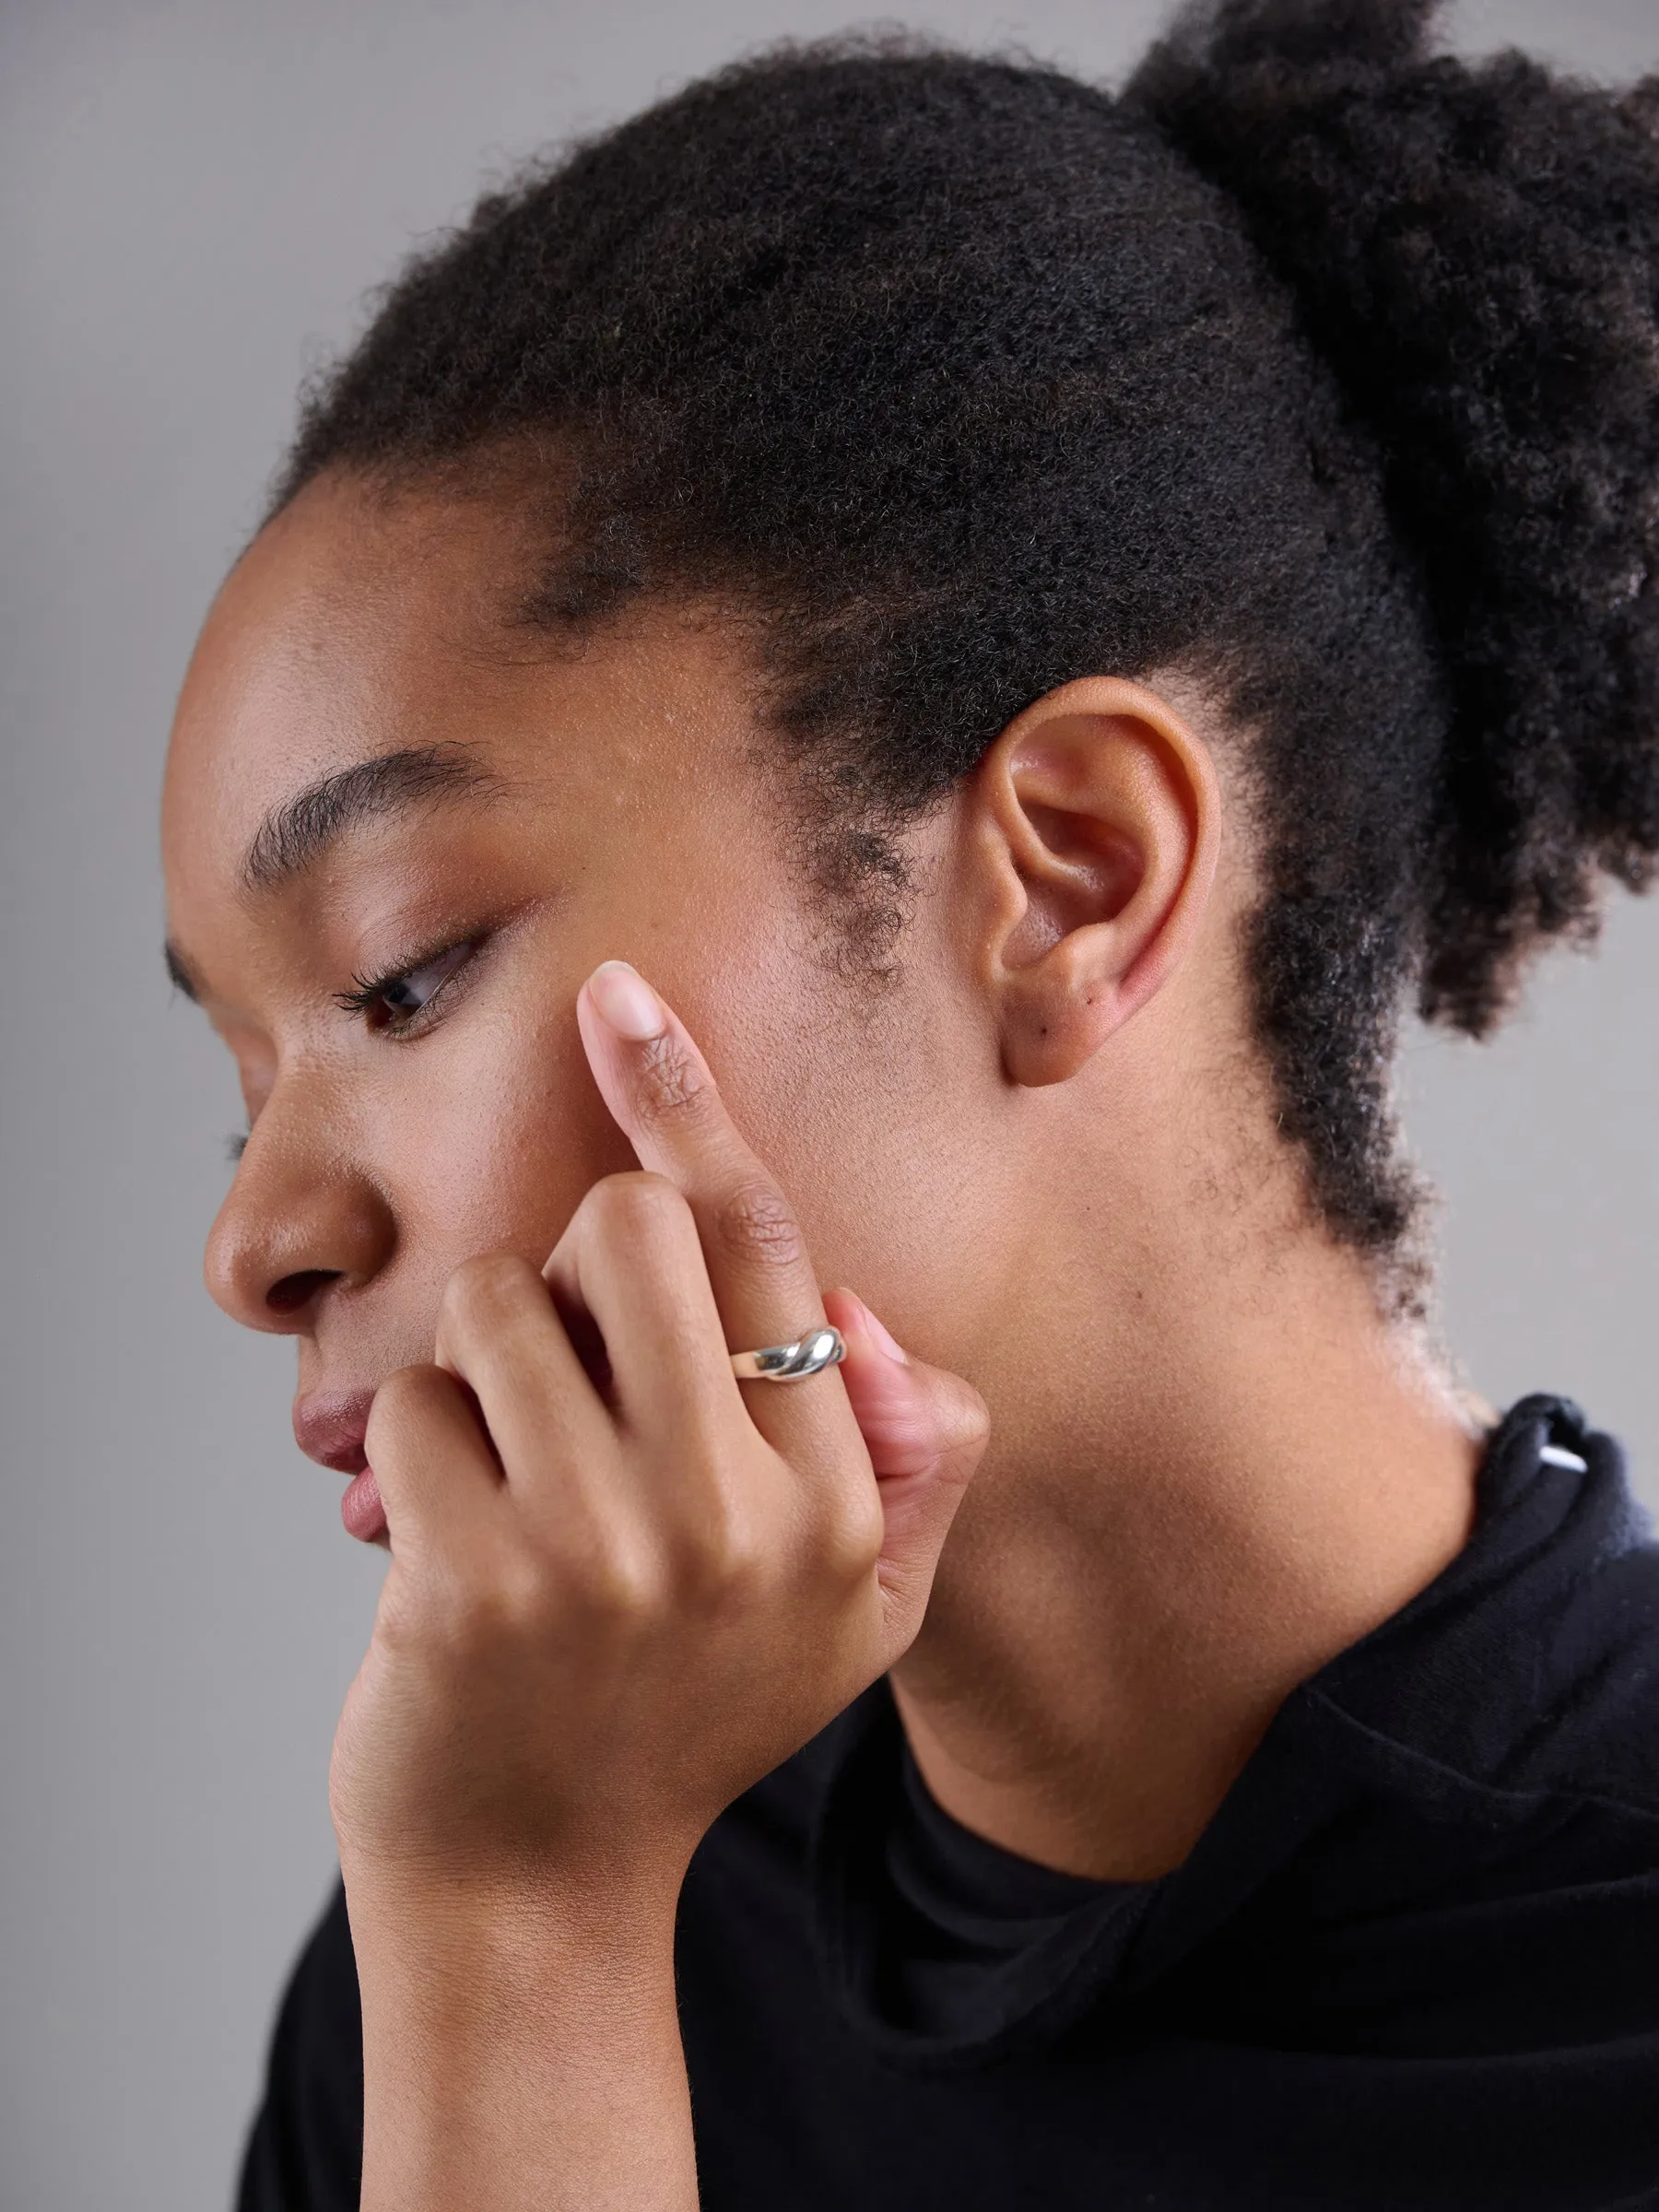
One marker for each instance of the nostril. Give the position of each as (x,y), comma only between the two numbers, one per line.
(296,1291)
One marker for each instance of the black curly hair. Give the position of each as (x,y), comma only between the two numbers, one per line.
(1315,363)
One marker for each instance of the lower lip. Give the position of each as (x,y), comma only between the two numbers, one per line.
(360,1507)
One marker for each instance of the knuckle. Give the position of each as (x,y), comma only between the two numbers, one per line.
(463,1615)
(961,1415)
(851,1540)
(669,1086)
(755,1222)
(479,1613)
(521,1597)
(605,1592)
(625,1585)
(967,1427)
(489,1287)
(722,1564)
(637,1205)
(405,1397)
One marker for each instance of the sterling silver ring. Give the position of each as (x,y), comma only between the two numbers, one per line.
(791,1362)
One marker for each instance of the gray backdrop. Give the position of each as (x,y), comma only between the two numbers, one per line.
(195,197)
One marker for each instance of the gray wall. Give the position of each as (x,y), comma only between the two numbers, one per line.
(193,197)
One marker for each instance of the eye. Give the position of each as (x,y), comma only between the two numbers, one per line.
(395,1002)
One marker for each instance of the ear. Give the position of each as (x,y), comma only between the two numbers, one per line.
(1096,820)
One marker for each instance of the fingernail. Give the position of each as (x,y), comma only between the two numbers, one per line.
(627,1001)
(893,1351)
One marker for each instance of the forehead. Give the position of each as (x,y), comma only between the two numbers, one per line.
(362,622)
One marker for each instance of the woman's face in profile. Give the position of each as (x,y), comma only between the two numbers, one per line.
(399,832)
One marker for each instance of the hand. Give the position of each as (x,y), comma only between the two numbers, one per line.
(623,1585)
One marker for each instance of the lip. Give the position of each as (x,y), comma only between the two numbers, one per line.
(330,1426)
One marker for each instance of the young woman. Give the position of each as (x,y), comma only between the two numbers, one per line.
(890,676)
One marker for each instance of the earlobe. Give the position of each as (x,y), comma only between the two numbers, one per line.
(1098,821)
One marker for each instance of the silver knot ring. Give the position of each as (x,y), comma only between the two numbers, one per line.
(791,1362)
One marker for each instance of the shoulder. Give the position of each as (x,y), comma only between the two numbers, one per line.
(306,2148)
(1529,1671)
(1597,1669)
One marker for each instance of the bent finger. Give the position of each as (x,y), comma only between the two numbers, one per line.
(432,1463)
(630,1267)
(926,1431)
(498,1331)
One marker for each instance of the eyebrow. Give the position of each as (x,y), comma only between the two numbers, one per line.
(296,833)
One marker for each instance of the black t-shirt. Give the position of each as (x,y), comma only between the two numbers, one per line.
(1412,1965)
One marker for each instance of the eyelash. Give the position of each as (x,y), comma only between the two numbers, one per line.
(370,992)
(367,991)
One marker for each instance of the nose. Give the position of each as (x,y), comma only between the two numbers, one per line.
(295,1223)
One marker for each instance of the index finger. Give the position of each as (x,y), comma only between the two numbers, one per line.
(658,1087)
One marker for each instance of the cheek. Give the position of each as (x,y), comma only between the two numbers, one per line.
(490,1142)
(853,1103)
(487,1136)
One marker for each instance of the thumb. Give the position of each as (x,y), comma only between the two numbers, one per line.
(925,1432)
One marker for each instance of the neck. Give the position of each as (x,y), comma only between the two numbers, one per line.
(1204,1483)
